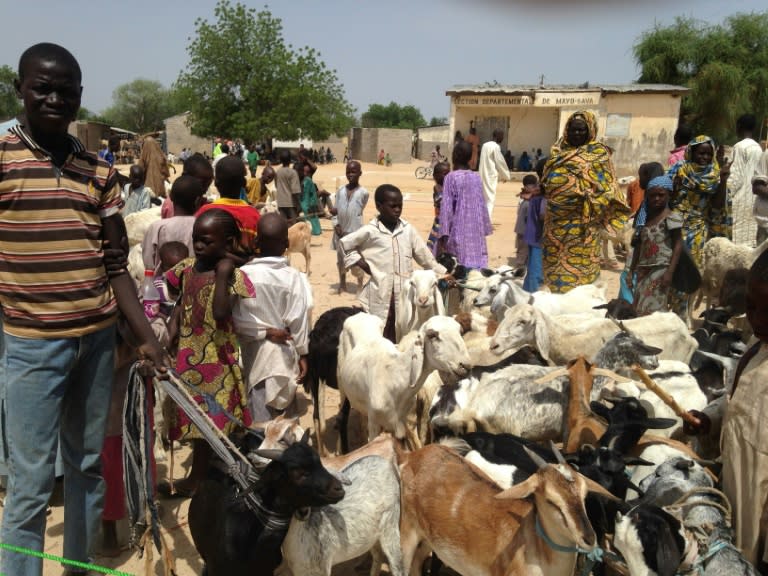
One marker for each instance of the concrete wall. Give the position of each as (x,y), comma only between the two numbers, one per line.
(365,143)
(431,136)
(178,136)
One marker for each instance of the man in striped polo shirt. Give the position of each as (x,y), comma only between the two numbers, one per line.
(58,205)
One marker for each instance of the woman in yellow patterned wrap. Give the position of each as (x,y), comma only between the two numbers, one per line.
(582,199)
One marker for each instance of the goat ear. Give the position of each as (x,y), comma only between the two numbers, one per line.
(305,437)
(600,307)
(647,350)
(269,454)
(438,296)
(432,334)
(541,334)
(520,491)
(601,410)
(487,272)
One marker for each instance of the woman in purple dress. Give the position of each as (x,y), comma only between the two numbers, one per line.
(464,221)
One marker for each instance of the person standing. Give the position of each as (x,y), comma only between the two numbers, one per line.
(474,141)
(492,166)
(155,166)
(464,219)
(59,311)
(351,200)
(252,157)
(682,136)
(582,200)
(744,165)
(287,187)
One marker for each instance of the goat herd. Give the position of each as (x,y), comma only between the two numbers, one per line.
(533,445)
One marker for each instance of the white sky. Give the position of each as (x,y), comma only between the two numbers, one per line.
(407,51)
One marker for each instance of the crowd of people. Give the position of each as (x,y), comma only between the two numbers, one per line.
(234,317)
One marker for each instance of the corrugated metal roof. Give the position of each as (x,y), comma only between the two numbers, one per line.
(531,88)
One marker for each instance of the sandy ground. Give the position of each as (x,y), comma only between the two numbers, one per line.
(418,211)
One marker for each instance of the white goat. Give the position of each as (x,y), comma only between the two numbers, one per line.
(718,256)
(562,338)
(381,379)
(418,301)
(367,518)
(137,224)
(509,292)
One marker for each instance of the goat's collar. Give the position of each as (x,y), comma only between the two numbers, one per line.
(274,521)
(594,556)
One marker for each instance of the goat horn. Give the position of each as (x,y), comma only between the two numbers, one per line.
(610,374)
(538,460)
(557,453)
(551,376)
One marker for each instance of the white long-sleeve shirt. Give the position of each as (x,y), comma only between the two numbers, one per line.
(746,158)
(492,165)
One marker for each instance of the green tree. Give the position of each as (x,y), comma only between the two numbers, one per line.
(244,80)
(9,103)
(725,66)
(438,121)
(392,116)
(140,105)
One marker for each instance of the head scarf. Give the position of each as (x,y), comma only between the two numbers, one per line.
(703,179)
(661,182)
(589,119)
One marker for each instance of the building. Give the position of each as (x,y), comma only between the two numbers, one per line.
(365,143)
(637,120)
(178,136)
(429,137)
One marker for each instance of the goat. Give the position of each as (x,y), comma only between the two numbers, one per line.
(366,519)
(299,239)
(510,400)
(561,338)
(322,365)
(381,379)
(454,510)
(419,300)
(137,224)
(718,256)
(618,309)
(234,540)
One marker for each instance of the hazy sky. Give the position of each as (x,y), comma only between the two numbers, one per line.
(407,51)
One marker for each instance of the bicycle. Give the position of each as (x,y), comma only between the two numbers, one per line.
(424,171)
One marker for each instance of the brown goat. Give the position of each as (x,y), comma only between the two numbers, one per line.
(299,238)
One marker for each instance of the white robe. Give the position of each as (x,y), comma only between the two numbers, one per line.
(283,300)
(390,256)
(492,165)
(746,158)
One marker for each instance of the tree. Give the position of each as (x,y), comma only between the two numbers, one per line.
(140,105)
(9,102)
(392,116)
(438,121)
(725,66)
(243,80)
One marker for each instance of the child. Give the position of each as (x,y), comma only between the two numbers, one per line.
(385,249)
(309,204)
(740,416)
(351,200)
(137,196)
(197,166)
(273,328)
(438,175)
(530,185)
(656,256)
(207,345)
(760,209)
(534,230)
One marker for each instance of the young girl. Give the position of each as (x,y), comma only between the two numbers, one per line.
(207,354)
(534,230)
(438,175)
(309,200)
(655,258)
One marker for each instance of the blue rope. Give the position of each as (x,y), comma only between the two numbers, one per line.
(594,556)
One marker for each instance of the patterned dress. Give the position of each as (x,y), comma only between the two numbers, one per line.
(464,218)
(655,254)
(582,200)
(208,350)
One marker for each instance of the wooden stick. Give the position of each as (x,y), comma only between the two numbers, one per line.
(665,396)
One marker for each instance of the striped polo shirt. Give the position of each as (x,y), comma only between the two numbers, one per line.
(53,283)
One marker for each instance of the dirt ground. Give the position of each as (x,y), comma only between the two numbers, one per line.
(418,211)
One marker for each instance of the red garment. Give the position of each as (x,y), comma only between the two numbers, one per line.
(246,215)
(635,196)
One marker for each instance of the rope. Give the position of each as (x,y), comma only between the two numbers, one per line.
(594,556)
(683,502)
(61,560)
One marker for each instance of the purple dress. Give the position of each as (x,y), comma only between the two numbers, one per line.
(464,218)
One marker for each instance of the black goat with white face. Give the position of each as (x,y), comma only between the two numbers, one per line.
(235,540)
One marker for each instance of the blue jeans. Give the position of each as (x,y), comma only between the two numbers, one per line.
(55,389)
(534,276)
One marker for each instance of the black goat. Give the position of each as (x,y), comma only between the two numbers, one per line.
(233,539)
(322,357)
(627,422)
(618,309)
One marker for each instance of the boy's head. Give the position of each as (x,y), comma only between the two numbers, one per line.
(199,167)
(272,237)
(267,175)
(285,157)
(389,203)
(224,148)
(530,186)
(462,153)
(114,144)
(136,176)
(757,297)
(230,177)
(439,172)
(44,70)
(745,125)
(354,171)
(186,195)
(171,253)
(683,135)
(648,172)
